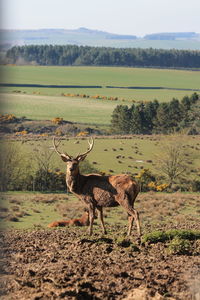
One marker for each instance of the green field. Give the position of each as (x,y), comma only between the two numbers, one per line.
(86,111)
(103,76)
(39,103)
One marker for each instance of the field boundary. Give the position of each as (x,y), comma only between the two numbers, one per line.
(96,86)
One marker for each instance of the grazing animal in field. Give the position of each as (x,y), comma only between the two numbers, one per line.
(83,221)
(98,191)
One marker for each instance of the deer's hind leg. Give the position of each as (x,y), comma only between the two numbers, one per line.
(134,215)
(124,200)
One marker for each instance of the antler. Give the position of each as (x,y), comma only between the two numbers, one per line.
(83,155)
(65,155)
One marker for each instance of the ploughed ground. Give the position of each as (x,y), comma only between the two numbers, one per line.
(65,263)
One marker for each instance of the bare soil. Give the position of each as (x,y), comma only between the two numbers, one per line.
(67,264)
(64,263)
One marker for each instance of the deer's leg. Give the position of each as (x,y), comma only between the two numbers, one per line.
(134,215)
(100,213)
(91,210)
(130,224)
(124,201)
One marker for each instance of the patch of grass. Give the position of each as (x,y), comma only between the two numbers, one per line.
(163,236)
(30,212)
(179,246)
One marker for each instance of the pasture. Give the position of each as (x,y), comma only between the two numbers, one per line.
(111,155)
(171,80)
(85,111)
(34,210)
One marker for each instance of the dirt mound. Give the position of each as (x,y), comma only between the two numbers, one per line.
(66,264)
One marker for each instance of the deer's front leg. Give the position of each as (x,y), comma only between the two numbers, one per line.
(100,210)
(91,210)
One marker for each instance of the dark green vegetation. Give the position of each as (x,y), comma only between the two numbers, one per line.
(144,118)
(93,56)
(155,117)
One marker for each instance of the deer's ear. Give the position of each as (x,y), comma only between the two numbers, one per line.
(64,158)
(81,158)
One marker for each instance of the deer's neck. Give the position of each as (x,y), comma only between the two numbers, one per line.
(74,182)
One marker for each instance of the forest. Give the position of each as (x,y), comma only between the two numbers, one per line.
(67,55)
(155,117)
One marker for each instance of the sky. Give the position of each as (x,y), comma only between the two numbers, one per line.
(137,17)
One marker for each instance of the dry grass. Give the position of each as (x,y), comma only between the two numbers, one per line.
(156,210)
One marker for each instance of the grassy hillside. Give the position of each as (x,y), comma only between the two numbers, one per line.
(113,155)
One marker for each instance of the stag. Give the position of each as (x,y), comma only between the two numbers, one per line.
(98,191)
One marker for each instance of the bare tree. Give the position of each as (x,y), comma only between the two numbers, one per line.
(43,163)
(10,165)
(43,157)
(174,158)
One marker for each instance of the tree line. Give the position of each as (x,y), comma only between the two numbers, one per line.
(103,56)
(155,117)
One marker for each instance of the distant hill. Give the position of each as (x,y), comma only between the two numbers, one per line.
(173,36)
(85,36)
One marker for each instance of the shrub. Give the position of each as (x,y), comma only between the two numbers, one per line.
(162,187)
(195,186)
(8,118)
(49,180)
(11,162)
(179,246)
(145,177)
(57,120)
(23,132)
(58,132)
(82,133)
(161,236)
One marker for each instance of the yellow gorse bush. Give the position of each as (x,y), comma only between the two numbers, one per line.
(57,120)
(23,132)
(159,188)
(162,187)
(82,133)
(7,118)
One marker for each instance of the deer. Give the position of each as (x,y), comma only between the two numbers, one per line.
(97,191)
(83,221)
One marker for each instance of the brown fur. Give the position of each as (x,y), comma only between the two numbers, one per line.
(83,221)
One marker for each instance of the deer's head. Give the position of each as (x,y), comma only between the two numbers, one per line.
(72,162)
